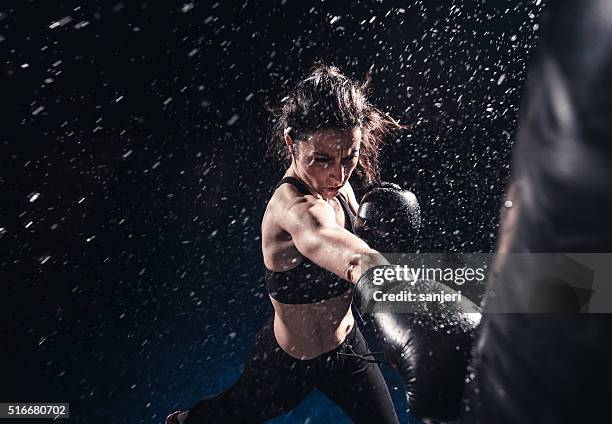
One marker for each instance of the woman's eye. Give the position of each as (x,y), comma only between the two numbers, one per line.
(325,160)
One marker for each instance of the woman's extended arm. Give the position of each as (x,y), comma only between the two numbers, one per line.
(315,233)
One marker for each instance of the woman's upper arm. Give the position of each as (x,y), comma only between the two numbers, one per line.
(316,235)
(305,217)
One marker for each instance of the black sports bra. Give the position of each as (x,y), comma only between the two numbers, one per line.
(307,282)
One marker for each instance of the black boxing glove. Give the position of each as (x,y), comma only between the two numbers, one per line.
(429,343)
(388,218)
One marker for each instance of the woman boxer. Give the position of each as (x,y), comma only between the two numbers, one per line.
(326,129)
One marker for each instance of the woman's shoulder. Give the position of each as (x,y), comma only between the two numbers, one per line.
(286,194)
(285,197)
(290,201)
(289,208)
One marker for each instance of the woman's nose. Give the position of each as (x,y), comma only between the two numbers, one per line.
(337,173)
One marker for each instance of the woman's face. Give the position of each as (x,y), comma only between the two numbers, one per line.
(326,159)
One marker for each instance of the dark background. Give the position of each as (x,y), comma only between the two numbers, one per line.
(134,175)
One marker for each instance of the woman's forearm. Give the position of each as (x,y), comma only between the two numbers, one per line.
(361,262)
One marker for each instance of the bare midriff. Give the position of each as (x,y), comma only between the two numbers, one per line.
(305,331)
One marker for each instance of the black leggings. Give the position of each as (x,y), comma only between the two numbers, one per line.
(274,382)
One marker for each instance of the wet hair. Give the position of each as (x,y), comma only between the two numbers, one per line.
(326,99)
